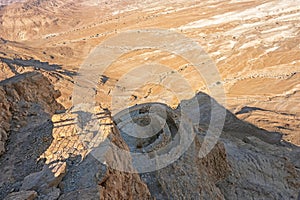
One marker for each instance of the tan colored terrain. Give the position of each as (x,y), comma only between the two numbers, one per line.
(253,46)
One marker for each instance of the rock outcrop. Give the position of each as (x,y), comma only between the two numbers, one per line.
(260,170)
(27,195)
(51,149)
(27,102)
(18,97)
(30,100)
(86,175)
(65,160)
(246,162)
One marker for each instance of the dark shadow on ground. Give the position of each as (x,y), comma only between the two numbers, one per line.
(30,129)
(53,68)
(27,144)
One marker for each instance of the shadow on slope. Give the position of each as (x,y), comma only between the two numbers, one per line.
(38,65)
(30,99)
(203,116)
(77,175)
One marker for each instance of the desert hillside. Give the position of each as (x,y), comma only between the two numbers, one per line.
(224,73)
(254,45)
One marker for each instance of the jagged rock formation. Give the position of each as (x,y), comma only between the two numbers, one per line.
(253,44)
(19,96)
(246,162)
(61,167)
(28,102)
(261,171)
(90,177)
(47,149)
(28,195)
(240,165)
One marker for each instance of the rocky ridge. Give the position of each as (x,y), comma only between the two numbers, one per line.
(254,46)
(66,165)
(34,108)
(19,95)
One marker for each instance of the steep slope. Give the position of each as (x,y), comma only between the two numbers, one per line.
(64,161)
(19,97)
(254,44)
(27,165)
(51,148)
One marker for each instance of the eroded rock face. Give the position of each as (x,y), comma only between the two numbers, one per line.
(87,176)
(5,118)
(147,127)
(190,177)
(61,158)
(246,162)
(45,180)
(261,170)
(22,195)
(28,102)
(18,95)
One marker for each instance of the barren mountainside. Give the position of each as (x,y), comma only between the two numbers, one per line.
(150,99)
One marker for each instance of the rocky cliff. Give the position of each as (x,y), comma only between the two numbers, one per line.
(149,134)
(20,97)
(29,101)
(54,159)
